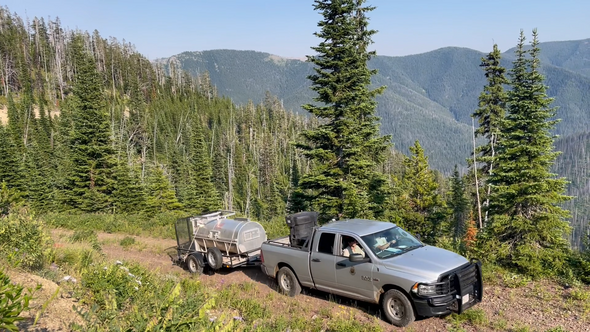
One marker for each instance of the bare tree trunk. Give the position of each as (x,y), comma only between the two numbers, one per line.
(248,195)
(487,202)
(155,140)
(230,175)
(230,161)
(475,174)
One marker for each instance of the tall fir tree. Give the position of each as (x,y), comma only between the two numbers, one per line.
(459,205)
(160,193)
(346,147)
(202,195)
(41,164)
(40,178)
(489,114)
(91,180)
(528,226)
(423,209)
(12,171)
(128,197)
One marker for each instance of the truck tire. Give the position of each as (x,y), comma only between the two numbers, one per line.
(214,258)
(193,265)
(288,283)
(397,308)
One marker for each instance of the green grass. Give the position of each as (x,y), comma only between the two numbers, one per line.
(520,327)
(499,324)
(83,235)
(127,242)
(557,329)
(475,317)
(515,280)
(160,225)
(580,295)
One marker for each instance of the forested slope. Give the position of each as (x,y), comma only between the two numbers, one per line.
(158,131)
(429,96)
(574,164)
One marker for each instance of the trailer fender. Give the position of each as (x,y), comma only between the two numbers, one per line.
(200,258)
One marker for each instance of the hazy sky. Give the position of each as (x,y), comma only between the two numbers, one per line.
(286,27)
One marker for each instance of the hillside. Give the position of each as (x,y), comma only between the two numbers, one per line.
(573,55)
(429,97)
(574,164)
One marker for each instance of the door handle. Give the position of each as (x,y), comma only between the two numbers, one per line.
(341,264)
(315,259)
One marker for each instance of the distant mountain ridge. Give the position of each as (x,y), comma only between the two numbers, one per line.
(429,97)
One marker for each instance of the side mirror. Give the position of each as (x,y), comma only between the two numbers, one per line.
(356,258)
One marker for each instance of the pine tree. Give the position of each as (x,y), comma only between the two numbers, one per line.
(40,178)
(459,205)
(491,111)
(91,180)
(346,147)
(160,193)
(528,225)
(424,208)
(12,171)
(297,202)
(128,197)
(202,195)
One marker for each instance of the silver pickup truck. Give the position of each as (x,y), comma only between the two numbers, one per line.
(387,266)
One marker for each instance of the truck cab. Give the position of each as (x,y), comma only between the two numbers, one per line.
(389,266)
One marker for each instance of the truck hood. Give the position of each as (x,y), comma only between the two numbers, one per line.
(427,263)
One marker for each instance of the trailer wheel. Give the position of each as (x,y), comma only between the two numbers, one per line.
(193,265)
(397,308)
(214,258)
(288,283)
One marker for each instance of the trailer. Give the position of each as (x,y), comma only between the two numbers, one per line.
(214,240)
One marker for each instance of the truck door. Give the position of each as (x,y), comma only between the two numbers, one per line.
(322,261)
(354,279)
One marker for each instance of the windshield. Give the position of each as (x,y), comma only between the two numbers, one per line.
(391,242)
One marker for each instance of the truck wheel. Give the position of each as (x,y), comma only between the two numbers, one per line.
(288,283)
(214,258)
(193,265)
(397,308)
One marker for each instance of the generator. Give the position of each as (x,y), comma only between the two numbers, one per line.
(301,225)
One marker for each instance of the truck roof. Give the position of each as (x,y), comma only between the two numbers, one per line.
(360,227)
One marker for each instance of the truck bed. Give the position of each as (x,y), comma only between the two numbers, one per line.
(279,251)
(281,241)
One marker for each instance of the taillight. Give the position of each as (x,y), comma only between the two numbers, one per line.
(261,257)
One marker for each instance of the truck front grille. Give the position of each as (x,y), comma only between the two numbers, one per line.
(449,282)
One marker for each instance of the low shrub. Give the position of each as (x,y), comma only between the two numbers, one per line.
(475,317)
(84,235)
(14,299)
(161,224)
(23,241)
(127,242)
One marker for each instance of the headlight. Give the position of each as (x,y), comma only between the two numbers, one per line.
(424,289)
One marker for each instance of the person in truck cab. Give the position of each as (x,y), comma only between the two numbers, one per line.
(353,248)
(381,243)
